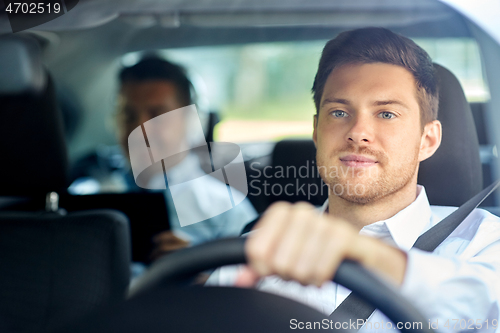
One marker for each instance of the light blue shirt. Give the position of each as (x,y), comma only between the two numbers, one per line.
(458,284)
(204,199)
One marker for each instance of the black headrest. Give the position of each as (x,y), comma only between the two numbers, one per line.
(300,180)
(22,71)
(453,174)
(32,145)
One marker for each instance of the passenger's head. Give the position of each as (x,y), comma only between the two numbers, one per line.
(372,45)
(149,89)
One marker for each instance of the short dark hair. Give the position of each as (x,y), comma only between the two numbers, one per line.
(152,67)
(370,45)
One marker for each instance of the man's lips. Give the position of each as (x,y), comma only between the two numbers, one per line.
(357,161)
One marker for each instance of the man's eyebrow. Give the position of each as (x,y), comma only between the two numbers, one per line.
(389,102)
(377,103)
(335,100)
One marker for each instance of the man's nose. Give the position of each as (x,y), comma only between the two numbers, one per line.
(361,130)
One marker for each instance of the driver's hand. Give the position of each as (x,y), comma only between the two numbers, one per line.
(295,242)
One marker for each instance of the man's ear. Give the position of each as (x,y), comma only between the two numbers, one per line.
(315,134)
(430,141)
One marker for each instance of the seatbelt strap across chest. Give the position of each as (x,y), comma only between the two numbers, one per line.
(353,308)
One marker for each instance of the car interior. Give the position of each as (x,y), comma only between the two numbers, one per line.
(69,229)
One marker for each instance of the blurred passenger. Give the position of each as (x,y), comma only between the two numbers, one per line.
(148,89)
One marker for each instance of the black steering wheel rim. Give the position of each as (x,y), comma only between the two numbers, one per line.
(184,264)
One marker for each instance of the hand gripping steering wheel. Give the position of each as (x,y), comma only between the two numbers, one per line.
(158,304)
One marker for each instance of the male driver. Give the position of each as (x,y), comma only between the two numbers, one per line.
(149,89)
(376,99)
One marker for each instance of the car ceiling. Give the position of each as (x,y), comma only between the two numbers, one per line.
(244,21)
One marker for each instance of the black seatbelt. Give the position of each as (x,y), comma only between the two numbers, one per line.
(249,226)
(353,308)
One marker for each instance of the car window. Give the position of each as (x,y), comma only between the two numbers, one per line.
(263,90)
(462,57)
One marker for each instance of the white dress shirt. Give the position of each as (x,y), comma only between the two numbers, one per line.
(460,280)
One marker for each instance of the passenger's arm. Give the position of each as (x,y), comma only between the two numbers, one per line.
(166,242)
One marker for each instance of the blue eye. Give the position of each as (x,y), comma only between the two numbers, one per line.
(387,115)
(339,114)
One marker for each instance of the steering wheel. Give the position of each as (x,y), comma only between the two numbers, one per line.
(227,309)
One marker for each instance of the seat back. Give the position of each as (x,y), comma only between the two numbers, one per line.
(453,174)
(32,145)
(55,267)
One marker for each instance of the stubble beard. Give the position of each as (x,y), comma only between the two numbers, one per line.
(366,185)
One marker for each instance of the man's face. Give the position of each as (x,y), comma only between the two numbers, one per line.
(367,132)
(142,101)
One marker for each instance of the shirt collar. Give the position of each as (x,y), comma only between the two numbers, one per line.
(406,226)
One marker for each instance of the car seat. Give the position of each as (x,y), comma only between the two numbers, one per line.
(55,267)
